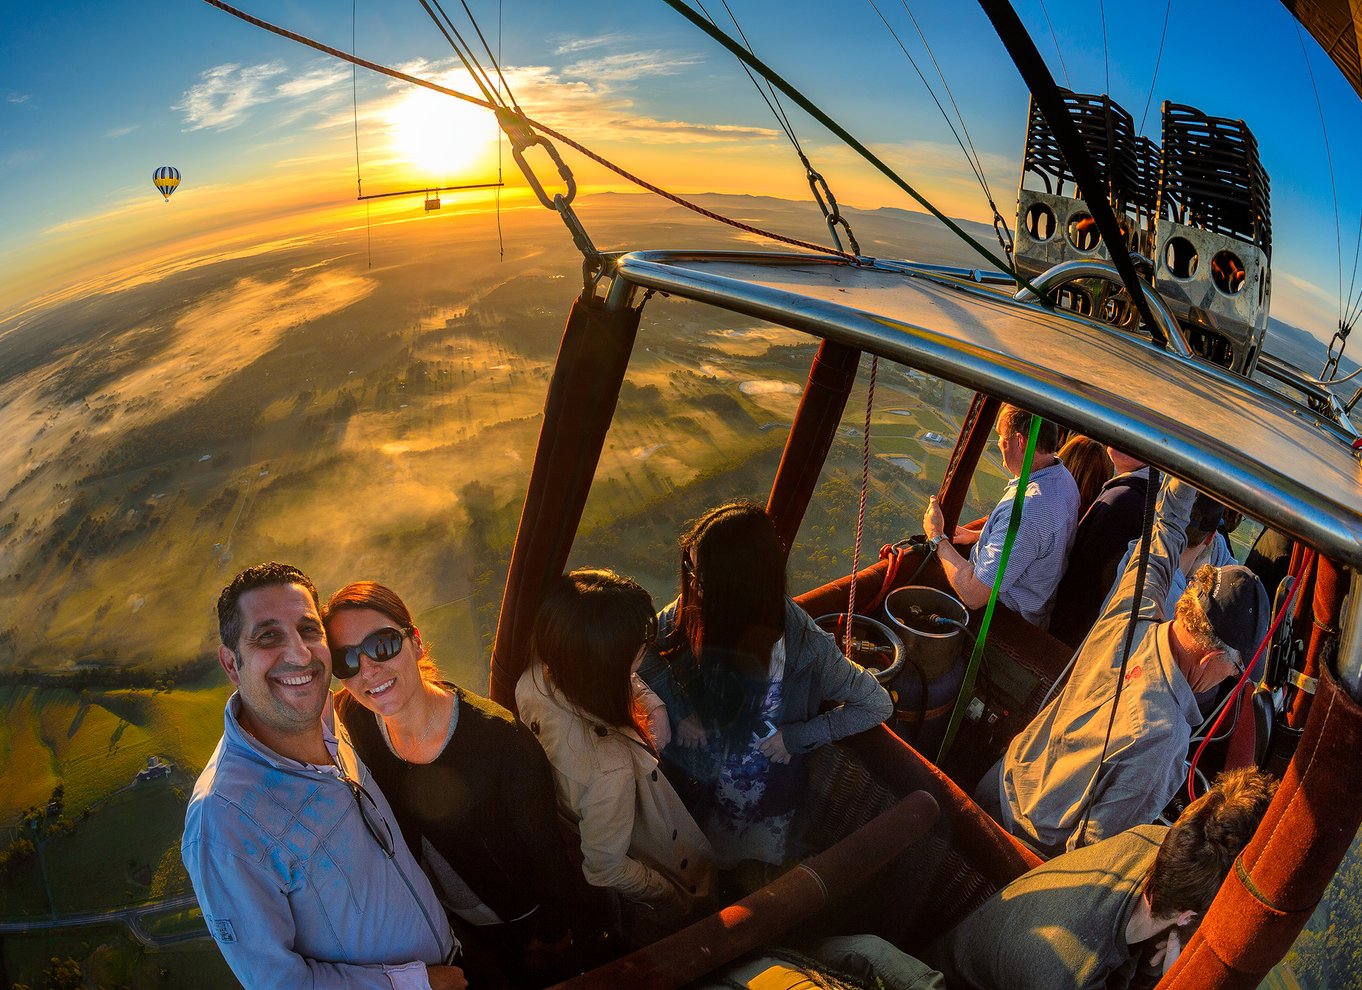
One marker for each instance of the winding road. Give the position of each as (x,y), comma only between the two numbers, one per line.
(131,916)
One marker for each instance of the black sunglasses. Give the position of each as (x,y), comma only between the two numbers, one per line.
(381,645)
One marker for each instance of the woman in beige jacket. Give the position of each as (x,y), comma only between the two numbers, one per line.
(589,710)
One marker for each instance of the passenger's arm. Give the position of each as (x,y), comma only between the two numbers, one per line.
(864,703)
(659,725)
(959,571)
(249,917)
(1169,537)
(606,824)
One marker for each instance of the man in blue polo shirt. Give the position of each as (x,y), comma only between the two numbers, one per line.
(1049,518)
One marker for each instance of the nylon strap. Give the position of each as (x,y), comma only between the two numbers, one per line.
(976,657)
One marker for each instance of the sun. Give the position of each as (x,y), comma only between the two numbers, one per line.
(439,136)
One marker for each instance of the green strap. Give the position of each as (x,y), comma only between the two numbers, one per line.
(1013,524)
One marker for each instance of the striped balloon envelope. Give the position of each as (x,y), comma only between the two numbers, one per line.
(166,179)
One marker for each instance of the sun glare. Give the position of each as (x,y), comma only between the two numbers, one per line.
(442,138)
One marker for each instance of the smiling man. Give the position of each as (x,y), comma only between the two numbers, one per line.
(294,854)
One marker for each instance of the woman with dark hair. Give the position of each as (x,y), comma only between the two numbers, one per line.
(580,697)
(469,786)
(1090,465)
(744,673)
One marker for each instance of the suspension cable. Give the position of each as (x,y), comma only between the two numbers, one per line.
(528,122)
(822,192)
(466,56)
(1055,38)
(971,153)
(1354,309)
(501,239)
(1132,623)
(1158,60)
(1106,59)
(1022,50)
(1329,157)
(810,108)
(496,63)
(1355,302)
(773,100)
(354,112)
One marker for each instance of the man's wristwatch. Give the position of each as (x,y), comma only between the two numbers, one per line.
(935,541)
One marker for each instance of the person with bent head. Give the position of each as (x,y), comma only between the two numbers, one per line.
(470,786)
(745,673)
(300,871)
(582,700)
(1080,921)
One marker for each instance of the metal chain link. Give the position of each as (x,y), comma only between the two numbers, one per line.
(827,202)
(1332,358)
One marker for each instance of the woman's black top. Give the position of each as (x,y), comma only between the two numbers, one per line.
(486,803)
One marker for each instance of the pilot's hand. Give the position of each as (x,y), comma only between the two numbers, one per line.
(446,978)
(691,734)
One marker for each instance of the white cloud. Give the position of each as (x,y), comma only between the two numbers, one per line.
(591,111)
(226,94)
(573,45)
(321,77)
(118,132)
(18,98)
(628,66)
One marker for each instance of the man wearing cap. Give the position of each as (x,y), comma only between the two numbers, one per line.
(296,858)
(1049,788)
(1205,545)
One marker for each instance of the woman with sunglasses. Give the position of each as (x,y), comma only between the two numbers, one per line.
(745,675)
(580,697)
(469,785)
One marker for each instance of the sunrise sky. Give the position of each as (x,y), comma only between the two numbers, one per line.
(93,97)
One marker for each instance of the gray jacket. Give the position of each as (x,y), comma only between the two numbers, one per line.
(1050,766)
(816,671)
(293,885)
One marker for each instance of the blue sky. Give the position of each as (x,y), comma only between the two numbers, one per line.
(93,98)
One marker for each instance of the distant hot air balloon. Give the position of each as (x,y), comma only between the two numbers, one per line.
(166,179)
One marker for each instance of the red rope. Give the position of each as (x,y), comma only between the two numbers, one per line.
(1306,562)
(416,81)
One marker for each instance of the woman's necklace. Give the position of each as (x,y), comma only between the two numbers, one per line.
(418,738)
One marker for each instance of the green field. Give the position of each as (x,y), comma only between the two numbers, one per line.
(94,742)
(111,958)
(125,853)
